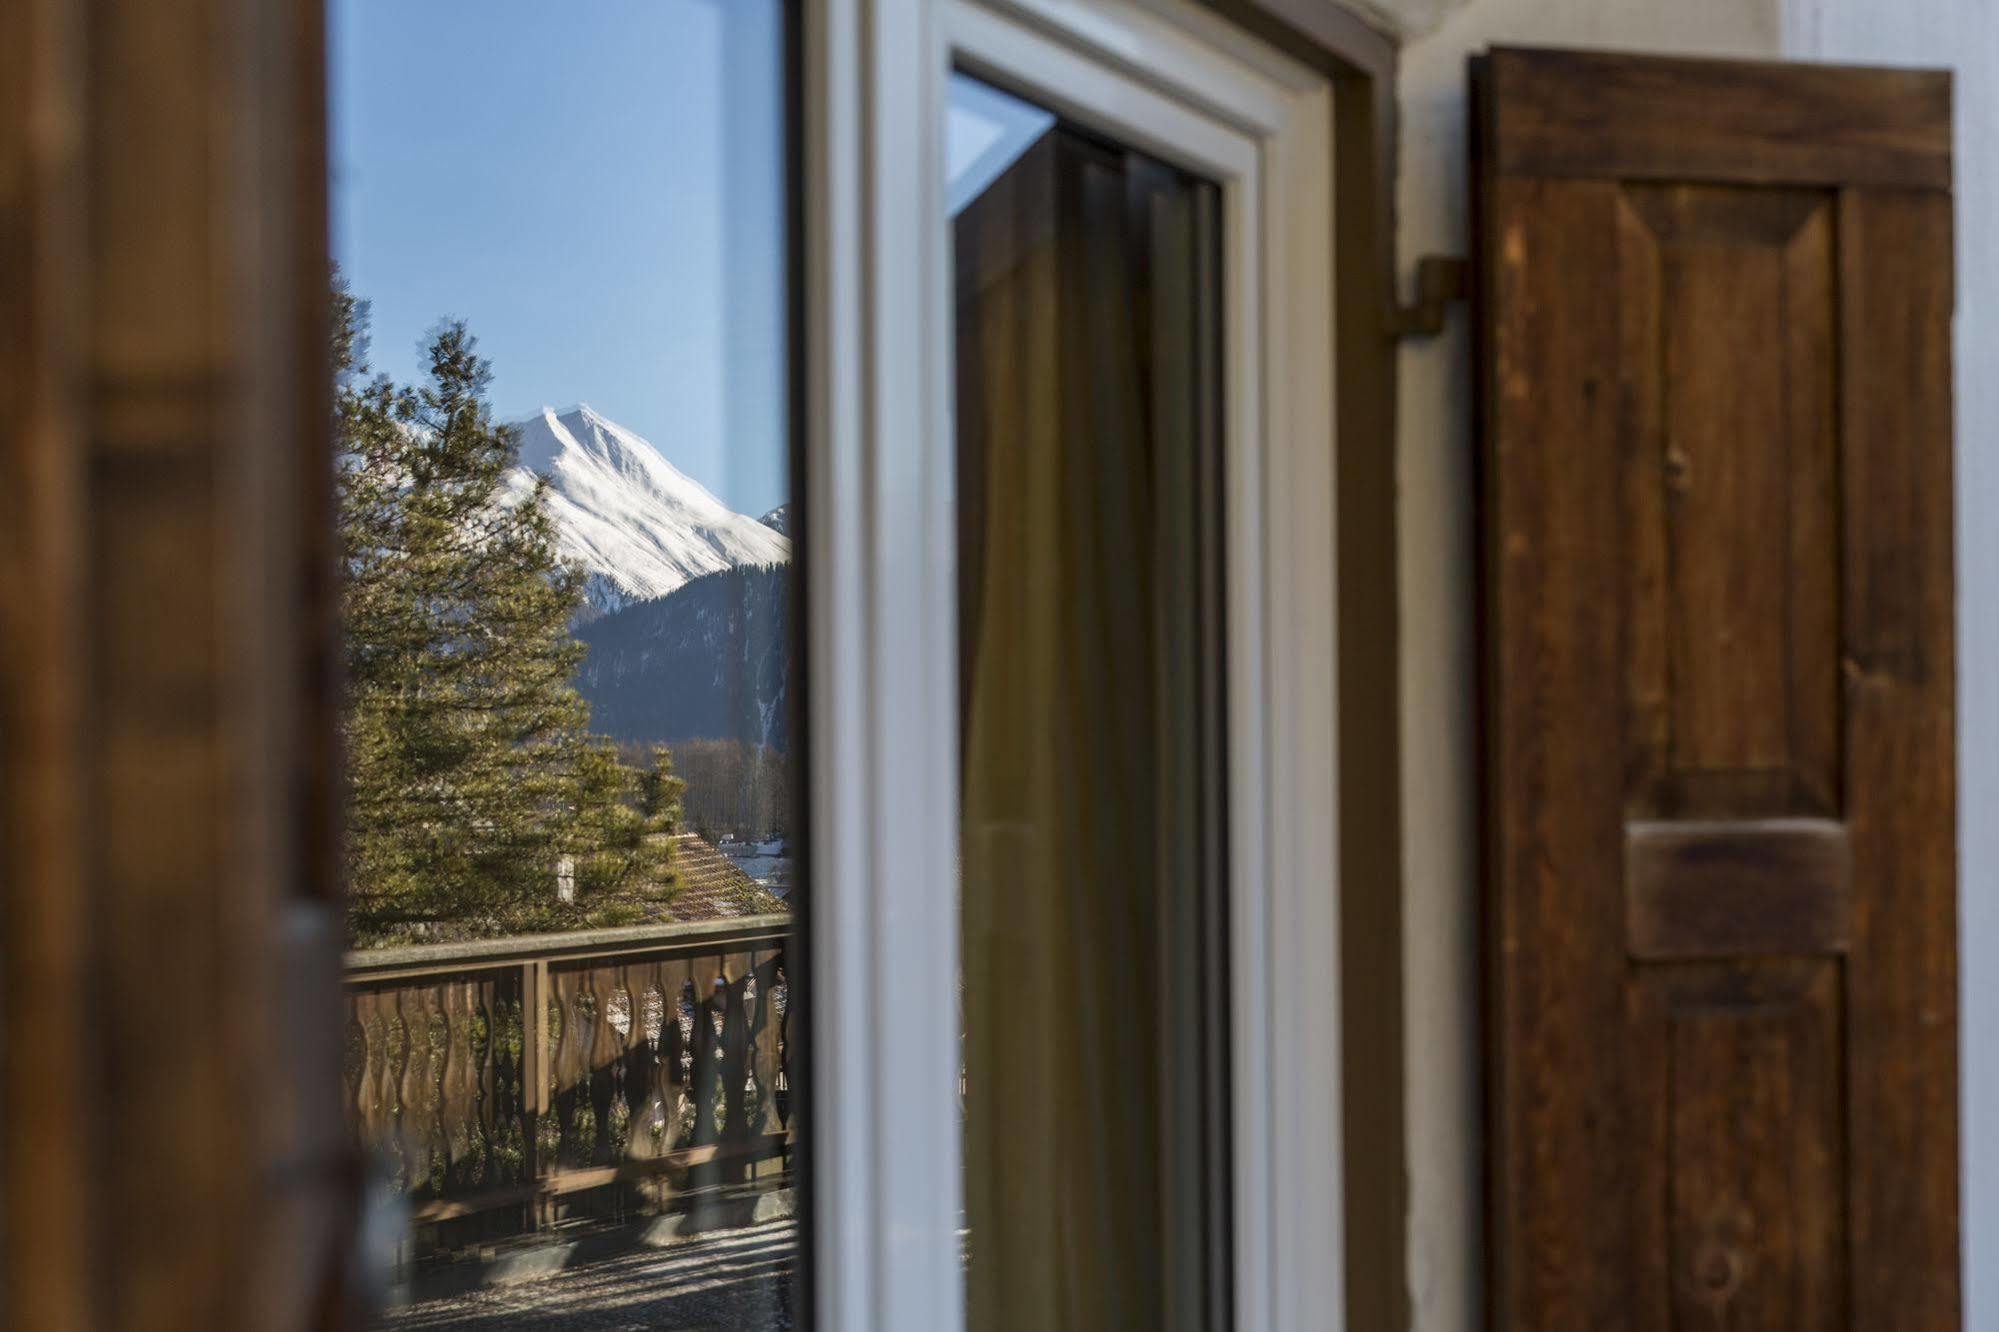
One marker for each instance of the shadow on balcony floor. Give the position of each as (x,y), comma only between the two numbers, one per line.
(737,1279)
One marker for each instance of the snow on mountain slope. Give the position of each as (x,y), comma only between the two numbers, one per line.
(638,525)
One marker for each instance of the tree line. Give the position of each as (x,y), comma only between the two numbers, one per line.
(475,786)
(731,788)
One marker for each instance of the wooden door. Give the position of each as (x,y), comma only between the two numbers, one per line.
(1718,655)
(171,1152)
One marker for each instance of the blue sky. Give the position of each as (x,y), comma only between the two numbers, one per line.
(595,188)
(985,132)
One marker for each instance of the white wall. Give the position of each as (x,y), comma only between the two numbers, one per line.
(1964,35)
(1434,449)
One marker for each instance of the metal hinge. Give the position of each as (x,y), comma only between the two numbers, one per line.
(1440,279)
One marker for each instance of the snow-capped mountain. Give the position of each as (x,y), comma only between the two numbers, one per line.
(638,525)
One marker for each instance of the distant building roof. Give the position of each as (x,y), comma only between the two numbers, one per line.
(712,888)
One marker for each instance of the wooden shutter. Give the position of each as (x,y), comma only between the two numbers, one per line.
(1720,917)
(171,1150)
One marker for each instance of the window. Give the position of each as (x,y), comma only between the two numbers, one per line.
(1159,105)
(573,1012)
(1072,880)
(564,302)
(1088,392)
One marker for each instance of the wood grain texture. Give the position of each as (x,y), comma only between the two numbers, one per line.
(1718,698)
(1596,114)
(1742,889)
(1900,744)
(1560,1124)
(1727,423)
(1736,1079)
(172,1065)
(45,1259)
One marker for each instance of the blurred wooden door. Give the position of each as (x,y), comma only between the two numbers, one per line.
(169,1143)
(1721,914)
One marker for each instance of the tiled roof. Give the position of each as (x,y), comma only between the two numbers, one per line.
(712,888)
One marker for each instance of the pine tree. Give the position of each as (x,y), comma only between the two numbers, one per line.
(474,779)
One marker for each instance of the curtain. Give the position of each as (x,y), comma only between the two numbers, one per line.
(1086,391)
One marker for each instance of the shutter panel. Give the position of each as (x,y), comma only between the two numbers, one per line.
(1718,681)
(172,1154)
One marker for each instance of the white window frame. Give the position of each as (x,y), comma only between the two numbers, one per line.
(1184,86)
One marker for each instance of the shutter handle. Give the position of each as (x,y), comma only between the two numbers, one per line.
(1440,280)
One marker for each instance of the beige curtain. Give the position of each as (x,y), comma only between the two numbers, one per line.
(1082,814)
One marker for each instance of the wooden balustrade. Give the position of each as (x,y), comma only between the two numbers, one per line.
(514,1084)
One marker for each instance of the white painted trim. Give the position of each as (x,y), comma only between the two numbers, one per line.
(883,666)
(881,679)
(1172,48)
(1307,1195)
(1252,735)
(1075,84)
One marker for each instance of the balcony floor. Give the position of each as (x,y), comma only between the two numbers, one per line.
(736,1280)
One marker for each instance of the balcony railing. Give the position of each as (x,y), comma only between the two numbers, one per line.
(515,1085)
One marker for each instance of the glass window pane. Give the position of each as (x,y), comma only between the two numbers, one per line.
(1089,500)
(564,295)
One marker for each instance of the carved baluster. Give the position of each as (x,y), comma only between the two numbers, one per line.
(733,1068)
(390,1048)
(706,1051)
(458,1088)
(654,1051)
(764,1034)
(565,1085)
(614,1031)
(379,1082)
(438,1028)
(548,1125)
(353,1064)
(537,1062)
(579,1017)
(436,1045)
(592,1041)
(704,988)
(628,1104)
(411,1104)
(488,1088)
(374,1093)
(401,1050)
(446,1028)
(646,1075)
(364,1061)
(469,1048)
(780,1012)
(684,1012)
(510,1073)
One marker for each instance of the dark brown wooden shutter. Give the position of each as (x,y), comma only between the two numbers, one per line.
(172,1154)
(1716,311)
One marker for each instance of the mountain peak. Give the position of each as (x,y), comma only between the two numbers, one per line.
(638,525)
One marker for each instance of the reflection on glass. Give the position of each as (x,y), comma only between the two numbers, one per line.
(560,346)
(1089,496)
